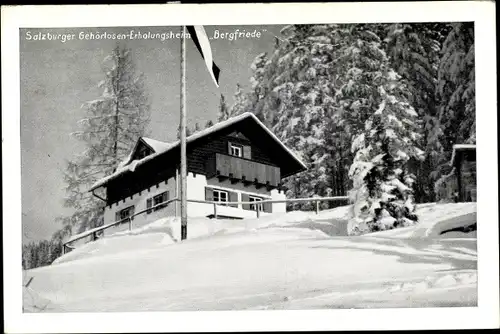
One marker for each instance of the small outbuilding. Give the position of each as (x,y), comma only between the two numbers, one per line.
(463,159)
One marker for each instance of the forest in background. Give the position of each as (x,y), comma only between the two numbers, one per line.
(372,109)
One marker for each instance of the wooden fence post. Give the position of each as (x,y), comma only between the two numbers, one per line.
(215,211)
(317,207)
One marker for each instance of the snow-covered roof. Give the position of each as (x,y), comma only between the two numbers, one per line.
(165,147)
(156,145)
(460,147)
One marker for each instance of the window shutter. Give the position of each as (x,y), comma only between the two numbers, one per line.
(149,205)
(131,212)
(209,194)
(117,216)
(247,152)
(233,197)
(229,147)
(164,198)
(245,198)
(268,207)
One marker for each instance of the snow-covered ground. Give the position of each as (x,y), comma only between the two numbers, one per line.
(297,260)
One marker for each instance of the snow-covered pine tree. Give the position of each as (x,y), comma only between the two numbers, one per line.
(224,112)
(110,128)
(456,92)
(413,51)
(258,91)
(382,192)
(300,104)
(240,104)
(371,106)
(359,59)
(266,108)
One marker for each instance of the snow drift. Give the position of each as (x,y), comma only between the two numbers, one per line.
(289,261)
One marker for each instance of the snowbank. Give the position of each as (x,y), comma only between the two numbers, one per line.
(297,260)
(167,231)
(434,219)
(32,301)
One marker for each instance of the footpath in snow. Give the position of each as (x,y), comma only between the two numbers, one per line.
(297,260)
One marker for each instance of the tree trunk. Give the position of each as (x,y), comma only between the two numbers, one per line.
(116,92)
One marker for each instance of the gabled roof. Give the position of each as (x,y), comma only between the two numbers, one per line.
(162,147)
(155,145)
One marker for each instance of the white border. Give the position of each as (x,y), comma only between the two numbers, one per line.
(486,315)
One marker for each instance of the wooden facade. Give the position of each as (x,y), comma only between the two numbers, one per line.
(243,170)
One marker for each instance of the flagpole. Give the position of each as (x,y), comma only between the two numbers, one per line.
(183,171)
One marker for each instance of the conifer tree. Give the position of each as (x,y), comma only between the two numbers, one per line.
(259,91)
(322,84)
(209,124)
(413,51)
(456,92)
(382,193)
(240,104)
(299,100)
(110,128)
(371,105)
(41,253)
(224,112)
(196,127)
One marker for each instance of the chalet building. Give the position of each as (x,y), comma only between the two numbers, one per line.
(235,160)
(461,184)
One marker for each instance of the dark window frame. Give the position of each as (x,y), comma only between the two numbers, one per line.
(234,146)
(217,198)
(129,212)
(157,199)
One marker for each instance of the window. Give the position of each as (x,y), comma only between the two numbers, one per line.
(142,152)
(236,150)
(255,206)
(152,203)
(124,213)
(220,196)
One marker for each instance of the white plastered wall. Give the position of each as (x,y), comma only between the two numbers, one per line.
(139,200)
(278,196)
(196,184)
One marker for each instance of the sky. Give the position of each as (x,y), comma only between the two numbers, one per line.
(58,75)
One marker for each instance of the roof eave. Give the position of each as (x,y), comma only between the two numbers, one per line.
(302,169)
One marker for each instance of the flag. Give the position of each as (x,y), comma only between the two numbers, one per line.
(200,39)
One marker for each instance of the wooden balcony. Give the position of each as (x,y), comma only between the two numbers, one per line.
(243,170)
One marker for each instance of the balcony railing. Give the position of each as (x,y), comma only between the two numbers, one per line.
(243,170)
